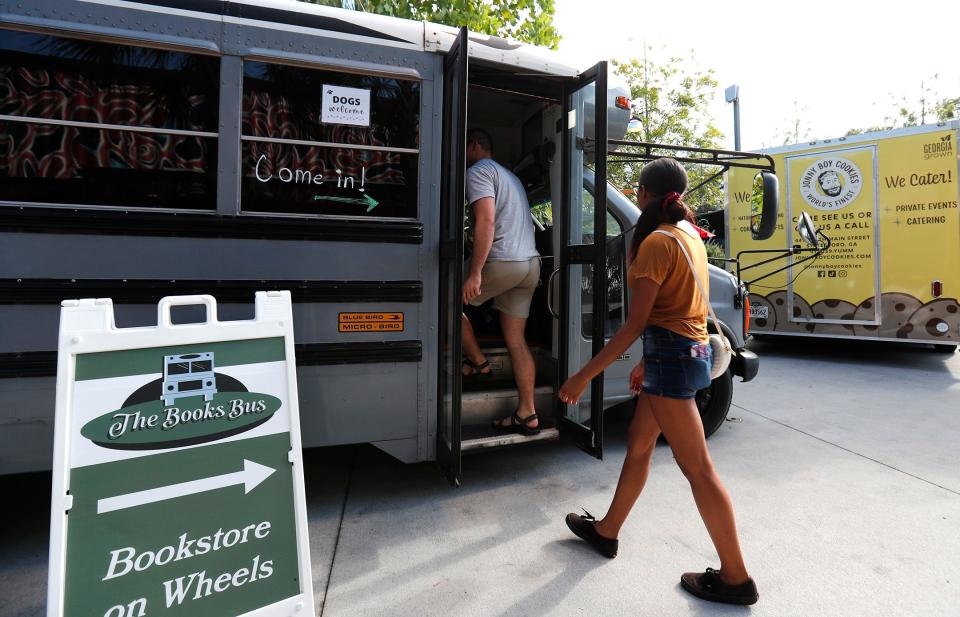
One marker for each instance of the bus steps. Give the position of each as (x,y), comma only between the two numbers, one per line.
(481,408)
(479,441)
(502,367)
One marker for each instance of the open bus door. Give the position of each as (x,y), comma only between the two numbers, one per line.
(451,256)
(583,251)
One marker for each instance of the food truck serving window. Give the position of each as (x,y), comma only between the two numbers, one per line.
(324,142)
(102,124)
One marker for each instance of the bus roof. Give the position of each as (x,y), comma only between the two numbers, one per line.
(863,137)
(359,26)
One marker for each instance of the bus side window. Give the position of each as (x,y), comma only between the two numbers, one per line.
(103,124)
(325,142)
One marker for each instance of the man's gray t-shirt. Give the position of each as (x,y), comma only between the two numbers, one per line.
(513,226)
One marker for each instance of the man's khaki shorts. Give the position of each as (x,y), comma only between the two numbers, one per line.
(511,285)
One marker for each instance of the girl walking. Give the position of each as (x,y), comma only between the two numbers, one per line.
(669,310)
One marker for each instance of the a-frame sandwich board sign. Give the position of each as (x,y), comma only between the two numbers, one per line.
(178,476)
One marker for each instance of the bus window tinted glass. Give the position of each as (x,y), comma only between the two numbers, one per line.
(285,102)
(118,103)
(357,153)
(56,78)
(616,260)
(332,181)
(51,164)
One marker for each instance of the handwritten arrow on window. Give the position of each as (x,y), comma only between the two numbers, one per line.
(366,199)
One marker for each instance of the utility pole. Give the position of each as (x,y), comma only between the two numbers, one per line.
(733,96)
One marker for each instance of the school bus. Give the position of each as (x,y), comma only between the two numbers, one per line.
(888,202)
(153,148)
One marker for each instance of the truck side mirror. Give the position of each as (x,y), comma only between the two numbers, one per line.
(763,205)
(807,230)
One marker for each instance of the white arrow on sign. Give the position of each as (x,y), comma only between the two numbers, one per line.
(251,476)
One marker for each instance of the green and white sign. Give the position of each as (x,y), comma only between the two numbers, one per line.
(178,481)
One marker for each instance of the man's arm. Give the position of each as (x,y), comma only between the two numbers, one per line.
(484,210)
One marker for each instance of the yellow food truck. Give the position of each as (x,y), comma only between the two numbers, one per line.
(888,203)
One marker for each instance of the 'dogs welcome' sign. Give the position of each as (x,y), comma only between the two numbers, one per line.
(178,483)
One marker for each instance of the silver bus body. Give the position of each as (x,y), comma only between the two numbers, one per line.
(247,197)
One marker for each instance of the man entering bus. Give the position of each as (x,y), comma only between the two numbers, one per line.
(505,266)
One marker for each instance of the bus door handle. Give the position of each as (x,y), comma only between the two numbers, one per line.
(553,275)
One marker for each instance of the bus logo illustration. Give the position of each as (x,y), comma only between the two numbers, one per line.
(188,375)
(831,183)
(196,405)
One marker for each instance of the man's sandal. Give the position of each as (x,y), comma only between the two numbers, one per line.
(518,424)
(476,370)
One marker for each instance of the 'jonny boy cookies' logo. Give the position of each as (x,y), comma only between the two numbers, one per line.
(831,183)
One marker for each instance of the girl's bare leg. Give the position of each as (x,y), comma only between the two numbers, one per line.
(641,440)
(680,422)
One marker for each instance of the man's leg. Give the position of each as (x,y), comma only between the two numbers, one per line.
(524,369)
(470,346)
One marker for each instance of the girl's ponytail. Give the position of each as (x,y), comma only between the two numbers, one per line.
(667,180)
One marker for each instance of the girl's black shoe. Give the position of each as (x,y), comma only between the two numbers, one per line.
(709,586)
(583,527)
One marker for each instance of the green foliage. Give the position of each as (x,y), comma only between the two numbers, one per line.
(715,250)
(528,21)
(671,99)
(947,109)
(716,253)
(930,106)
(543,212)
(797,130)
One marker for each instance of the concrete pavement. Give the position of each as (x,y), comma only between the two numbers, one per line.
(841,462)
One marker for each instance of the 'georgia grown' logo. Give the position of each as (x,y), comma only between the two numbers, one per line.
(831,183)
(191,404)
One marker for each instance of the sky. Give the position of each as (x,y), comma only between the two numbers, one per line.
(832,65)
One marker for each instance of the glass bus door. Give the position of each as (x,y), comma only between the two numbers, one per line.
(451,256)
(583,276)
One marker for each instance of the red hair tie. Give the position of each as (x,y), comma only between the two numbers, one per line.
(670,198)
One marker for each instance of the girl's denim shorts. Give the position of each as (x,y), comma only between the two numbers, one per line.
(674,366)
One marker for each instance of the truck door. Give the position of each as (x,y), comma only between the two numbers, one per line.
(840,293)
(451,256)
(583,256)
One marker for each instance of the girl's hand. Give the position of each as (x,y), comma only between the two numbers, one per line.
(636,378)
(572,389)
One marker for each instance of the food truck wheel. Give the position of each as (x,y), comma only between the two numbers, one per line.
(714,403)
(945,348)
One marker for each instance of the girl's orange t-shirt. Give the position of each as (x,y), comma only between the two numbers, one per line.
(679,306)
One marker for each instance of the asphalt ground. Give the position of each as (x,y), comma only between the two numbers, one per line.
(841,459)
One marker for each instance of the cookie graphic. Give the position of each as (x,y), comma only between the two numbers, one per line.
(763,316)
(937,320)
(833,309)
(801,310)
(895,311)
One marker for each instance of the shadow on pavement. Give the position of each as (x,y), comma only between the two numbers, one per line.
(912,357)
(24,544)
